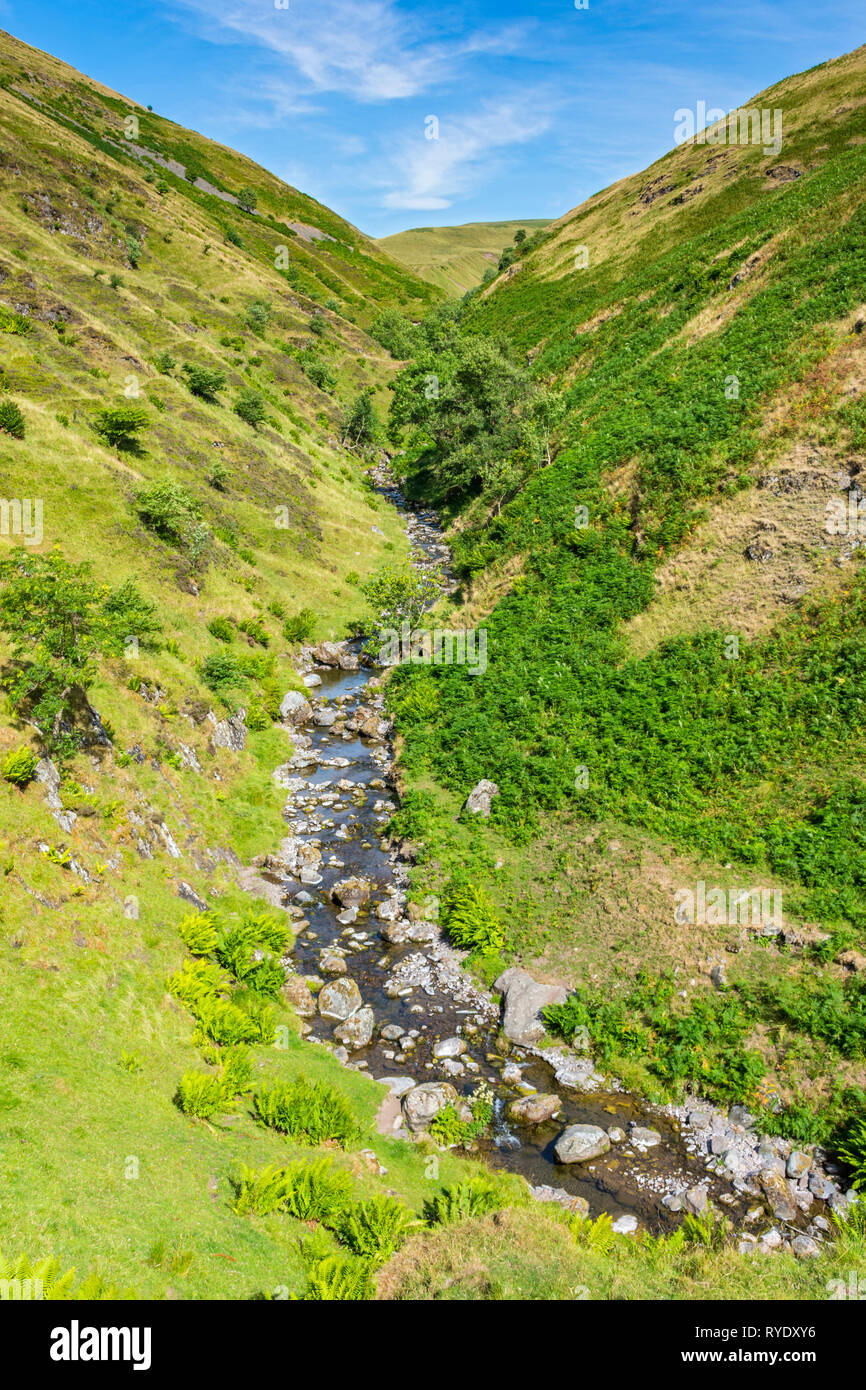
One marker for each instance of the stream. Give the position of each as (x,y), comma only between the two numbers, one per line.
(339,800)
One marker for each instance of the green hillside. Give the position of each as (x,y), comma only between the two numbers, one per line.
(195,365)
(455,258)
(674,688)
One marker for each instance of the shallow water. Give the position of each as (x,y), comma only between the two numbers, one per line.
(625,1180)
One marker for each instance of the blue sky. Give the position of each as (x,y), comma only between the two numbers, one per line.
(538,104)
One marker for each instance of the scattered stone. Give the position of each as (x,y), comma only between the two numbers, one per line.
(798,1164)
(330,963)
(625,1225)
(804,1247)
(579,1206)
(449,1047)
(644,1138)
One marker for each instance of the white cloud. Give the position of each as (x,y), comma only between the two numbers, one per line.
(429,174)
(365,49)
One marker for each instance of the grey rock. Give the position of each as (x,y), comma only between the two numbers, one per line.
(798,1163)
(579,1206)
(625,1225)
(330,963)
(479,799)
(644,1138)
(449,1047)
(230,733)
(356,1031)
(422,1104)
(524,998)
(579,1143)
(695,1200)
(299,995)
(778,1195)
(535,1110)
(295,708)
(804,1247)
(339,999)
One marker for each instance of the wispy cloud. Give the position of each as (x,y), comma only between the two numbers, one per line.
(365,49)
(429,173)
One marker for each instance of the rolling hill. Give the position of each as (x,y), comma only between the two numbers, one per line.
(455,258)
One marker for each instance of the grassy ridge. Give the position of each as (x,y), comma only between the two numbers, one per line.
(455,258)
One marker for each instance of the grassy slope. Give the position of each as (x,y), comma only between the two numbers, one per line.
(83,982)
(455,258)
(606,646)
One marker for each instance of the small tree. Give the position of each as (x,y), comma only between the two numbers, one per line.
(400,594)
(251,407)
(120,425)
(171,513)
(258,314)
(203,382)
(58,620)
(247,199)
(360,422)
(11,419)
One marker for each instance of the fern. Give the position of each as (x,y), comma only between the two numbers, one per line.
(200,1094)
(310,1112)
(337,1279)
(470,919)
(199,933)
(375,1229)
(20,1279)
(474,1196)
(307,1191)
(197,983)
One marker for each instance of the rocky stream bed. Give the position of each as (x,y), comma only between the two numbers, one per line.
(379,985)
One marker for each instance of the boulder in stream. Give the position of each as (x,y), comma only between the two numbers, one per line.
(579,1143)
(339,999)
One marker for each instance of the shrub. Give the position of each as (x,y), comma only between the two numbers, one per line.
(254,629)
(219,476)
(199,933)
(221,673)
(470,919)
(11,419)
(203,382)
(473,1197)
(200,1095)
(247,199)
(309,1112)
(171,513)
(337,1279)
(222,629)
(250,406)
(133,251)
(233,237)
(115,280)
(120,425)
(258,717)
(300,626)
(164,362)
(258,315)
(852,1150)
(376,1228)
(19,766)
